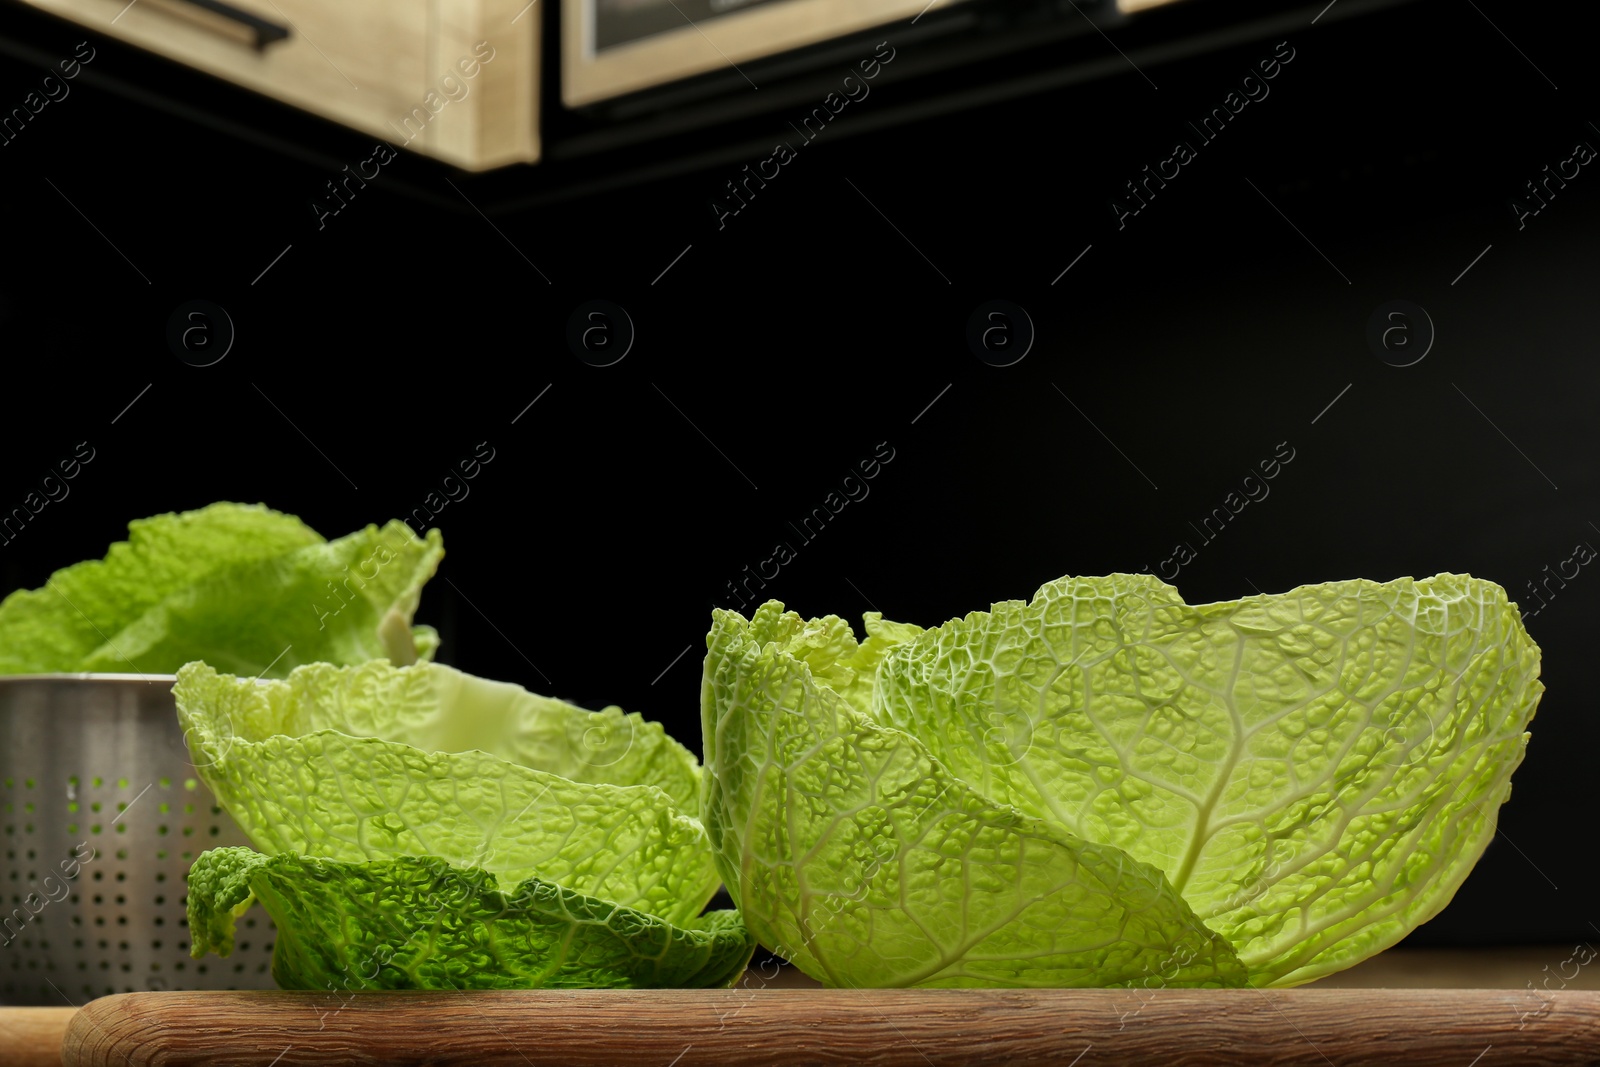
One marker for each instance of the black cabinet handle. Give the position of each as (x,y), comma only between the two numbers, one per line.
(258,31)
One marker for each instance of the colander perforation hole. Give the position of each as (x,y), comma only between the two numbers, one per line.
(94,928)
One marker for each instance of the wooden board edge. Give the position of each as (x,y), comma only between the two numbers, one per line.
(886,1028)
(32,1037)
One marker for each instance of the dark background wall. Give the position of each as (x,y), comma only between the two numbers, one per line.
(823,320)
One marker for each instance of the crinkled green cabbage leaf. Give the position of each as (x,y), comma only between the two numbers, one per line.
(241,586)
(424,924)
(376,761)
(855,854)
(1314,772)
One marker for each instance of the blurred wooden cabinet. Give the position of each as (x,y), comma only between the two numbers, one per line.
(452,79)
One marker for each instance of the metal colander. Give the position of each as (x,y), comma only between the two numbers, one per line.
(94,765)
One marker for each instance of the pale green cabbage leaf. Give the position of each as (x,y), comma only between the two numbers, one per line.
(859,857)
(375,762)
(1315,772)
(241,586)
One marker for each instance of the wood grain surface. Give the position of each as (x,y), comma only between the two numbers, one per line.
(31,1037)
(375,65)
(883,1028)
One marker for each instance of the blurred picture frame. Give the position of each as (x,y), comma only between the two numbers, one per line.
(611,48)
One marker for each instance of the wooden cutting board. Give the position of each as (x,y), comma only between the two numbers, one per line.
(31,1037)
(883,1028)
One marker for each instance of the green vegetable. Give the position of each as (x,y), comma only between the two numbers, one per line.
(240,586)
(363,767)
(1315,773)
(375,762)
(423,924)
(856,855)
